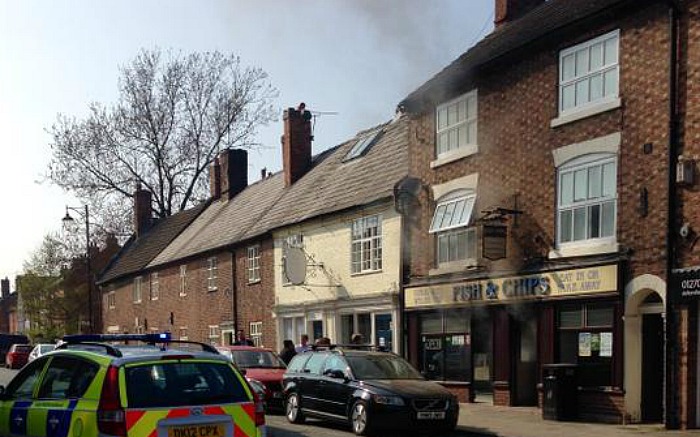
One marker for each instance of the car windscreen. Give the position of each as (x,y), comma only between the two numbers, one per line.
(44,348)
(381,367)
(178,383)
(247,359)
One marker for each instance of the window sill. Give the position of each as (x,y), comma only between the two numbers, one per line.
(584,249)
(137,302)
(183,294)
(256,281)
(212,289)
(453,267)
(586,112)
(365,273)
(455,155)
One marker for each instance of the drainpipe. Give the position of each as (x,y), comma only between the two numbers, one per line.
(672,351)
(234,293)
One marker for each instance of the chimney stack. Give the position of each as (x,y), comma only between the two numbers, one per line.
(234,172)
(510,10)
(296,144)
(4,288)
(215,179)
(142,211)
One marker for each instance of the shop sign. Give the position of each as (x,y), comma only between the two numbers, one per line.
(555,284)
(686,283)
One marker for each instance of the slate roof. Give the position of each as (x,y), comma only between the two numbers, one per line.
(544,21)
(138,252)
(331,185)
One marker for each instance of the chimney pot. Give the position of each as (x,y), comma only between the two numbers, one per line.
(215,179)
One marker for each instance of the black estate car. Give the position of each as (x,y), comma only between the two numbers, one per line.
(369,390)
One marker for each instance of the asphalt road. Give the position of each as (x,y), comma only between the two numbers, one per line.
(279,427)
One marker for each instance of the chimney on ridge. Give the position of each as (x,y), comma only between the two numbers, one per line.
(296,144)
(234,172)
(510,10)
(215,179)
(4,288)
(142,211)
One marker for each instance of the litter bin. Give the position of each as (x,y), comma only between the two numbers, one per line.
(560,392)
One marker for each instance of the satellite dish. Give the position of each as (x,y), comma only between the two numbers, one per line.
(295,265)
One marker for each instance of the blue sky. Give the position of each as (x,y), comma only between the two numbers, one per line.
(358,58)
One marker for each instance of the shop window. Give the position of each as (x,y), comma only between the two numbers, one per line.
(586,338)
(446,346)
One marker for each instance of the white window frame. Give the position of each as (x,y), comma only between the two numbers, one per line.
(183,330)
(591,73)
(586,162)
(137,290)
(183,280)
(155,286)
(212,273)
(446,225)
(366,252)
(214,332)
(256,333)
(253,263)
(111,300)
(467,104)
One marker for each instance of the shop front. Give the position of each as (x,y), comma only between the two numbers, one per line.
(487,339)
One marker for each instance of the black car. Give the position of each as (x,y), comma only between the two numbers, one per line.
(369,390)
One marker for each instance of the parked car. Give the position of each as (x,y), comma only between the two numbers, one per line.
(7,340)
(369,390)
(39,350)
(260,365)
(17,356)
(101,388)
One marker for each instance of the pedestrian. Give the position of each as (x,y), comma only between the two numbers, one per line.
(304,345)
(241,339)
(357,338)
(323,342)
(288,351)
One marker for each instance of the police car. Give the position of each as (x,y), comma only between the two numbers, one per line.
(158,387)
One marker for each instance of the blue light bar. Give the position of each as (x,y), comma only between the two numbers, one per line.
(162,337)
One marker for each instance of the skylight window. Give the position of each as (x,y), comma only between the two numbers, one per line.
(362,145)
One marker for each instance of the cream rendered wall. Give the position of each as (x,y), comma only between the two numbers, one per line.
(329,283)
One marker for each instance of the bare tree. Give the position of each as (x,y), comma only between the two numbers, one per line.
(174,114)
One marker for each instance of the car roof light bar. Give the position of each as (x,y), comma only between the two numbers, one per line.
(163,337)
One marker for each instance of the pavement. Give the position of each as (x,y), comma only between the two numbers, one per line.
(487,420)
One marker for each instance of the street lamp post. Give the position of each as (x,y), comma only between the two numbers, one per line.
(68,220)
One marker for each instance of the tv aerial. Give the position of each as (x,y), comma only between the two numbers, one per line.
(316,114)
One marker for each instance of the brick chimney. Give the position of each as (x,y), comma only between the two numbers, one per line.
(234,172)
(142,211)
(510,10)
(4,288)
(215,179)
(296,144)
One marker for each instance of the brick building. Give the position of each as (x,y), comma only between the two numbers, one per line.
(8,309)
(545,154)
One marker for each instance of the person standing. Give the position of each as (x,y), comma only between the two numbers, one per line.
(288,351)
(241,339)
(304,345)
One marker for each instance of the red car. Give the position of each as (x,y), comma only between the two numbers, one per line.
(262,365)
(17,356)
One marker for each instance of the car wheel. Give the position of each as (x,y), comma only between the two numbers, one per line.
(359,418)
(293,409)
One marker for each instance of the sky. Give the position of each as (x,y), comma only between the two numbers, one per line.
(356,58)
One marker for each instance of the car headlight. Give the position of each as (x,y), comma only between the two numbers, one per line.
(389,400)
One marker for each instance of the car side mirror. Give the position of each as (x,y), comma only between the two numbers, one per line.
(334,373)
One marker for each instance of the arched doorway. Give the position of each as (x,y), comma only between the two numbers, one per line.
(645,303)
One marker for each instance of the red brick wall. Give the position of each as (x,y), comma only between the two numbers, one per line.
(255,300)
(515,107)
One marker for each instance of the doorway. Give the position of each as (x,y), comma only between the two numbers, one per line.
(525,362)
(652,367)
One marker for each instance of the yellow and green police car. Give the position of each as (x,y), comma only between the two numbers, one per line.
(91,387)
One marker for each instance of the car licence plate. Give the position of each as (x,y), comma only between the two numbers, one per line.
(209,430)
(431,415)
